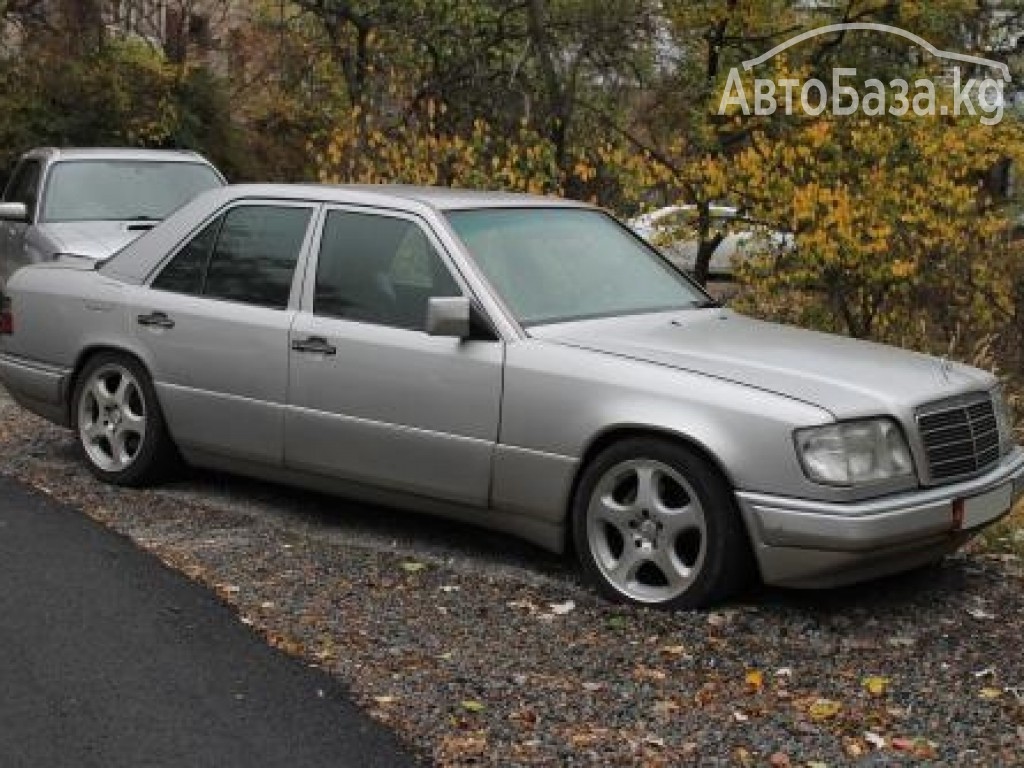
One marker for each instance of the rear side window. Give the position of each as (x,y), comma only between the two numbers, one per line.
(186,271)
(248,255)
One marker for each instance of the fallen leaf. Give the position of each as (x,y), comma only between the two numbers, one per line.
(411,566)
(823,709)
(779,760)
(471,705)
(740,717)
(755,680)
(384,699)
(674,650)
(876,741)
(648,674)
(902,642)
(561,609)
(876,686)
(618,622)
(717,619)
(743,756)
(990,693)
(980,614)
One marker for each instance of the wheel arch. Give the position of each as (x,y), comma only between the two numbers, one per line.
(86,354)
(621,432)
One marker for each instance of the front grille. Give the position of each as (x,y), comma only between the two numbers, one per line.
(960,436)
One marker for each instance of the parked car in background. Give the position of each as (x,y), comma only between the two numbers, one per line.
(518,362)
(674,231)
(92,202)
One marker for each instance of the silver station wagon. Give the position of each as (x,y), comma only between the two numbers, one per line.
(522,363)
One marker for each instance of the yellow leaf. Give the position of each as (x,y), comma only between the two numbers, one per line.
(876,686)
(755,680)
(824,709)
(990,693)
(470,705)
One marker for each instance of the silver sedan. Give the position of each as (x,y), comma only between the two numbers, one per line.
(521,363)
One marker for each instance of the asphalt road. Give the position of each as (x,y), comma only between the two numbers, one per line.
(107,658)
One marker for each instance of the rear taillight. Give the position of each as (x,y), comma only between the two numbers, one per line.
(6,316)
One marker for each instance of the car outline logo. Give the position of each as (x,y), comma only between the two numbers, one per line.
(749,64)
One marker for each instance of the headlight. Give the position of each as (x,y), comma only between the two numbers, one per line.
(854,452)
(1004,419)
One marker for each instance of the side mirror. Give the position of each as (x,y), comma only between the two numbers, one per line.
(448,316)
(13,212)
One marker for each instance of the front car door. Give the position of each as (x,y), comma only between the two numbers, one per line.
(373,398)
(23,188)
(214,322)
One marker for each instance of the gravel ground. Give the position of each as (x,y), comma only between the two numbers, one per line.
(481,651)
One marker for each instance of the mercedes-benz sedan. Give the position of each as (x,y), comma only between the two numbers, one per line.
(522,363)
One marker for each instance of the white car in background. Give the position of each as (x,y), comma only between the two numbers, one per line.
(674,230)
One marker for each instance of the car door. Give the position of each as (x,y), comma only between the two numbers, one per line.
(22,188)
(214,322)
(374,398)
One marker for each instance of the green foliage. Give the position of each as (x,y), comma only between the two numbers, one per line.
(123,93)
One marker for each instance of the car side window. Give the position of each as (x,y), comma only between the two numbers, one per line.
(378,269)
(186,271)
(248,255)
(255,256)
(24,185)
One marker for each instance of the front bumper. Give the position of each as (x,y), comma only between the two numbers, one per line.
(800,542)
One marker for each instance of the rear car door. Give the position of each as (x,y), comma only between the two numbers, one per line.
(375,399)
(215,323)
(22,188)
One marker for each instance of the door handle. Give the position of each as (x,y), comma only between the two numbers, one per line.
(156,320)
(314,345)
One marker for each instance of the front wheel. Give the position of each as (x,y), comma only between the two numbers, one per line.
(118,421)
(655,524)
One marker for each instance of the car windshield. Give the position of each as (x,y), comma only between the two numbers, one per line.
(122,190)
(553,265)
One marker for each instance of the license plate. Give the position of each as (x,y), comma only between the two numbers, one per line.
(985,508)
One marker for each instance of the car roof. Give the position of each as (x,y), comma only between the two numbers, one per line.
(54,154)
(395,195)
(141,256)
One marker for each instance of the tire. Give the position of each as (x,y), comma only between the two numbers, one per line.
(118,422)
(655,524)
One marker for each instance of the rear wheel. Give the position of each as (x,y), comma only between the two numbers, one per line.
(118,421)
(655,524)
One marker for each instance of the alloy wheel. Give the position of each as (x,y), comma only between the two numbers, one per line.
(646,530)
(112,418)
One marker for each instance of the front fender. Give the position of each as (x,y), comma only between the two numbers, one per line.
(560,400)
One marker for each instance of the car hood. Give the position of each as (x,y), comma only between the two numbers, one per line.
(846,377)
(93,239)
